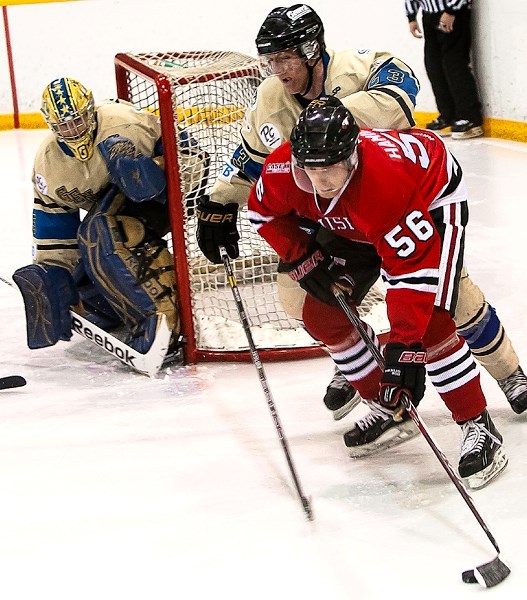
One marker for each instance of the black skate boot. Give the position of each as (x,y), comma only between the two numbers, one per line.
(341,397)
(482,457)
(515,389)
(378,431)
(464,129)
(440,126)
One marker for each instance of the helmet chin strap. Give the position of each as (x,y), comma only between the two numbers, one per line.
(310,70)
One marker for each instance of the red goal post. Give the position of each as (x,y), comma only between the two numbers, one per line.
(201,97)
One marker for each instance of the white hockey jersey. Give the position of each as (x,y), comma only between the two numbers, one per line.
(379,89)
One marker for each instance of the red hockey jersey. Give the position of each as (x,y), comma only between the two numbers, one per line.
(401,177)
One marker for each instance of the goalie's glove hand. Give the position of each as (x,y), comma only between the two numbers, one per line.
(317,272)
(139,177)
(404,373)
(217,227)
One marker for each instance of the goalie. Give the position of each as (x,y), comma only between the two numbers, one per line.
(113,266)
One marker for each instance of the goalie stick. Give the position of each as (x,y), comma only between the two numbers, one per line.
(488,574)
(148,363)
(306,503)
(12,381)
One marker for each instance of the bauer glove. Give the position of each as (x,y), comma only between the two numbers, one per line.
(217,227)
(317,272)
(404,373)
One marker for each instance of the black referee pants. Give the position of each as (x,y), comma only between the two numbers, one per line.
(447,63)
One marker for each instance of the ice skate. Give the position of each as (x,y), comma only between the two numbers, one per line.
(440,126)
(482,457)
(378,431)
(463,129)
(515,389)
(341,398)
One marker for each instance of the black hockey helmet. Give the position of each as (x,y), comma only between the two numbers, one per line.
(325,133)
(295,27)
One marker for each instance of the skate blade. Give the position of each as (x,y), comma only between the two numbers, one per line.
(465,135)
(444,132)
(484,477)
(519,405)
(345,410)
(393,437)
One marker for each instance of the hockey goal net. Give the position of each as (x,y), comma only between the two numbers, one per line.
(201,98)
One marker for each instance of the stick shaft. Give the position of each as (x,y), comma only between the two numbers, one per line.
(412,411)
(263,379)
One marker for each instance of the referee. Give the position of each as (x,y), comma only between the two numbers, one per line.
(447,33)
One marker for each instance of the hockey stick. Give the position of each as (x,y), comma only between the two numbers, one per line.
(147,364)
(488,574)
(306,503)
(12,381)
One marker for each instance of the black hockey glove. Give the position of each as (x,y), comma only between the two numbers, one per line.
(217,227)
(317,272)
(404,372)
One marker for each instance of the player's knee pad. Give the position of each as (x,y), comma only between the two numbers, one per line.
(48,292)
(470,305)
(137,281)
(483,330)
(490,344)
(291,296)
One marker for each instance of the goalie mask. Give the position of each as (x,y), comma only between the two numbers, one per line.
(69,111)
(297,28)
(324,147)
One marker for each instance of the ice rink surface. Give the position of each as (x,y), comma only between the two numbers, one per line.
(114,486)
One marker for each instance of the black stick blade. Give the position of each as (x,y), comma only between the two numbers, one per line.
(13,381)
(469,577)
(489,574)
(306,503)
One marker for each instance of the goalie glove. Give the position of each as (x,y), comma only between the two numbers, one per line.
(217,227)
(404,373)
(139,177)
(317,272)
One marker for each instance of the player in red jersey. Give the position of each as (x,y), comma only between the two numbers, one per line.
(402,193)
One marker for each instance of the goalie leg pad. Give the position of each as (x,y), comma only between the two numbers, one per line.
(48,292)
(137,282)
(95,307)
(143,335)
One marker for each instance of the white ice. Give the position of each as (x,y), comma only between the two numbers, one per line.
(116,486)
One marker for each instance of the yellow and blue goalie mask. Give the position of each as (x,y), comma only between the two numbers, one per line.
(69,111)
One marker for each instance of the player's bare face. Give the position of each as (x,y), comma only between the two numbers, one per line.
(328,181)
(289,67)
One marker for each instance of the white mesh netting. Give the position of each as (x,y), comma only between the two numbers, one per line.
(210,92)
